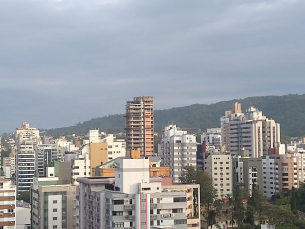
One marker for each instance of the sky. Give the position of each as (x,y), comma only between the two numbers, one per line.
(68,61)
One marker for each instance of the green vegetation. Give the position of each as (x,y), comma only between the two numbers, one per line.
(288,110)
(25,196)
(249,212)
(210,210)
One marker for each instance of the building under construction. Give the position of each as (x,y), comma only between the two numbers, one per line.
(139,125)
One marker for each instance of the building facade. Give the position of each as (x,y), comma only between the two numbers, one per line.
(254,132)
(139,125)
(212,137)
(7,204)
(135,201)
(26,156)
(53,206)
(177,149)
(219,167)
(247,171)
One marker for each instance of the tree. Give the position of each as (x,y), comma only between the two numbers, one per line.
(238,206)
(300,197)
(293,203)
(25,196)
(256,202)
(207,191)
(280,217)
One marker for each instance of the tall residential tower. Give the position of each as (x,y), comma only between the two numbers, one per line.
(139,125)
(26,156)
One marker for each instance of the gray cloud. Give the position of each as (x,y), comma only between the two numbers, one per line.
(68,61)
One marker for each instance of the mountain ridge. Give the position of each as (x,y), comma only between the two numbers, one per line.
(288,110)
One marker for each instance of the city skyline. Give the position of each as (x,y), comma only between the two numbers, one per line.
(64,62)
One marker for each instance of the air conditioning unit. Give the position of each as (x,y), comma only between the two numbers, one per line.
(162,216)
(172,215)
(1,213)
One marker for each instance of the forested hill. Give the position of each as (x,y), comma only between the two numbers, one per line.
(288,110)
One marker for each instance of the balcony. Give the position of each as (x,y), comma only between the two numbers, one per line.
(153,206)
(129,207)
(130,217)
(153,217)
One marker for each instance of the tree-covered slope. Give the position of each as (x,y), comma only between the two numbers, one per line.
(288,110)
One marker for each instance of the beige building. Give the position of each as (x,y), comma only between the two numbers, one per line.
(7,204)
(219,167)
(98,153)
(139,125)
(286,172)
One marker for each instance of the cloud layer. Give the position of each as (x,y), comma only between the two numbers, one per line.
(63,62)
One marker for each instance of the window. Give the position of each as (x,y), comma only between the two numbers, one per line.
(54,201)
(54,226)
(117,213)
(179,199)
(116,202)
(55,210)
(54,218)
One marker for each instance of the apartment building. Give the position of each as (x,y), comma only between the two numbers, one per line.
(7,204)
(52,206)
(139,125)
(193,220)
(269,181)
(116,147)
(134,201)
(248,171)
(27,139)
(46,155)
(177,149)
(8,166)
(224,124)
(212,137)
(219,167)
(254,132)
(286,172)
(80,167)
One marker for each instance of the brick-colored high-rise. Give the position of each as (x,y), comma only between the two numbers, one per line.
(139,125)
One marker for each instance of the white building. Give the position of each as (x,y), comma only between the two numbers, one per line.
(80,167)
(94,136)
(135,201)
(269,180)
(212,137)
(26,156)
(253,132)
(219,167)
(116,147)
(8,166)
(177,149)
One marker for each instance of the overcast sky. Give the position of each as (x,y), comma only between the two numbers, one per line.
(63,62)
